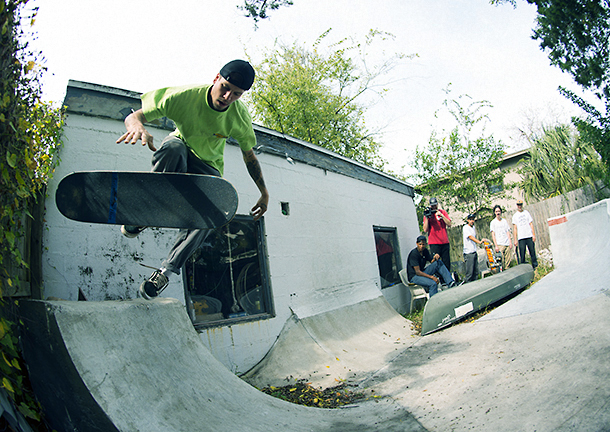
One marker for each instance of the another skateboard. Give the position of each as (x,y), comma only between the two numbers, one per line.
(494,259)
(151,199)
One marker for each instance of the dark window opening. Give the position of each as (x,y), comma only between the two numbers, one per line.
(227,277)
(388,255)
(286,209)
(495,188)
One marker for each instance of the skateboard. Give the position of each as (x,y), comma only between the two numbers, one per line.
(150,199)
(494,259)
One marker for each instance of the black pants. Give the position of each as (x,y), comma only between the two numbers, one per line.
(531,247)
(174,156)
(443,251)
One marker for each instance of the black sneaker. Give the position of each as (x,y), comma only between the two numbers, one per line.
(131,231)
(151,287)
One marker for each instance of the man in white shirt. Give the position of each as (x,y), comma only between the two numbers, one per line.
(471,259)
(525,236)
(501,235)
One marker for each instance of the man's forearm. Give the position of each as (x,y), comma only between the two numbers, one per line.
(255,171)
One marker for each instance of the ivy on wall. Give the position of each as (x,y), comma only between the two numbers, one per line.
(30,131)
(30,136)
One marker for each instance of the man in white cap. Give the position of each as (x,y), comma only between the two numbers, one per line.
(205,116)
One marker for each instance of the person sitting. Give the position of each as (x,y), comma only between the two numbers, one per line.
(419,274)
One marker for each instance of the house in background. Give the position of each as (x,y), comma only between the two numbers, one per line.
(317,250)
(541,211)
(509,165)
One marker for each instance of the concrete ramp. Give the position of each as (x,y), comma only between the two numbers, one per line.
(141,366)
(346,344)
(580,242)
(581,237)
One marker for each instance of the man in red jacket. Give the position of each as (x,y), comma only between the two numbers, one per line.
(435,225)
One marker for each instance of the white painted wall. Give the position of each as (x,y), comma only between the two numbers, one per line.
(321,257)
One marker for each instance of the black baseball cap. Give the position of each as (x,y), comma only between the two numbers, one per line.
(471,216)
(239,73)
(433,201)
(421,238)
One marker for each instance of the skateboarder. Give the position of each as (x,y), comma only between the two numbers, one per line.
(419,274)
(205,116)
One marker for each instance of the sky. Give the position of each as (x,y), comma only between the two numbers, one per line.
(480,50)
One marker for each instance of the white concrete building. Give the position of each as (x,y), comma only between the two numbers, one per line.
(314,252)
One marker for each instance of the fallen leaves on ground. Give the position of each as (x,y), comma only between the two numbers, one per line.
(303,393)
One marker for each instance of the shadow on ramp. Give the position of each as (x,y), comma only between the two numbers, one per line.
(140,366)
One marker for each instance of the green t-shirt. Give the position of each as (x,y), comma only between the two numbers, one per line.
(204,129)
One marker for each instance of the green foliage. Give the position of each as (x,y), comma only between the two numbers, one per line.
(461,168)
(595,128)
(257,9)
(313,94)
(30,131)
(576,36)
(13,372)
(558,162)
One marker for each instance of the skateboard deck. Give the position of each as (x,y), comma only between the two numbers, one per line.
(493,259)
(151,199)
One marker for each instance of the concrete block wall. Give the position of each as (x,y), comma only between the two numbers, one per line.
(321,255)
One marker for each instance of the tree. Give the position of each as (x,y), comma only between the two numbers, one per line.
(460,169)
(258,9)
(29,136)
(576,36)
(313,94)
(558,162)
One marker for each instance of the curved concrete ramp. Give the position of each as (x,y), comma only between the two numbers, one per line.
(580,242)
(346,344)
(140,366)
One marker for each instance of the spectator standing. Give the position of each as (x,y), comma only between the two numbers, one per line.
(501,236)
(471,258)
(435,225)
(525,235)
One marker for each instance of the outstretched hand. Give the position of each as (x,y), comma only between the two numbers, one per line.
(132,137)
(134,123)
(260,208)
